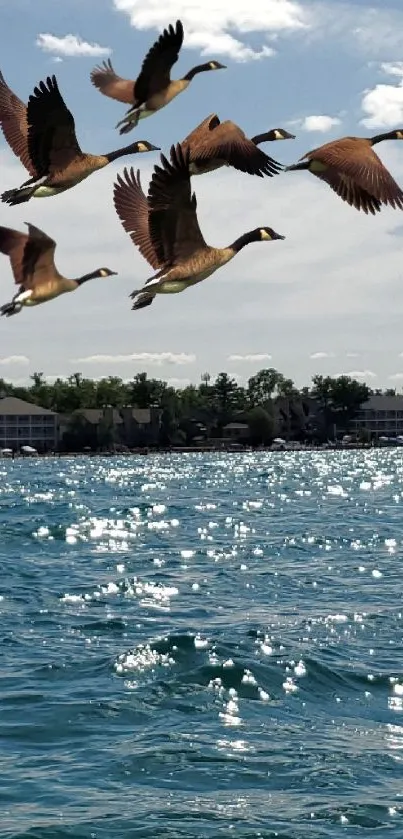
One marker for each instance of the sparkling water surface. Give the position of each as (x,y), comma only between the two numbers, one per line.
(201,646)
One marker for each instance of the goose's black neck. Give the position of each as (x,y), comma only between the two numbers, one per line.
(200,68)
(245,239)
(114,155)
(389,135)
(261,138)
(304,164)
(92,276)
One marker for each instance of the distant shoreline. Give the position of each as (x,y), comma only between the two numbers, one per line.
(228,449)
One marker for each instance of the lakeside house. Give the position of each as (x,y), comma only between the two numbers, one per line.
(380,416)
(128,427)
(25,424)
(296,415)
(236,432)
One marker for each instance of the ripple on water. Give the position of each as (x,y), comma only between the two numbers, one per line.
(202,645)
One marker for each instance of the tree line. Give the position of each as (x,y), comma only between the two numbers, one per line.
(267,397)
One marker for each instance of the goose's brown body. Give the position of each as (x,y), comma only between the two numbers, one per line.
(165,228)
(154,77)
(351,167)
(153,89)
(45,140)
(214,144)
(32,261)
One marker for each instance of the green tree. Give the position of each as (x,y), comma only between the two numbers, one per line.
(80,434)
(82,392)
(40,391)
(261,426)
(190,398)
(205,392)
(62,399)
(348,395)
(227,398)
(340,399)
(286,388)
(288,402)
(322,391)
(168,426)
(263,385)
(145,392)
(111,391)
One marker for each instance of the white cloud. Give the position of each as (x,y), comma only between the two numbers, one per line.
(18,381)
(212,26)
(393,69)
(70,46)
(14,359)
(395,377)
(250,357)
(319,123)
(358,28)
(157,358)
(317,355)
(383,104)
(376,30)
(177,382)
(352,355)
(217,27)
(360,374)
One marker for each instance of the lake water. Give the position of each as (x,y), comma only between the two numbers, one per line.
(202,646)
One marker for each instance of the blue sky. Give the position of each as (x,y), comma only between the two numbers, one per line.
(328,299)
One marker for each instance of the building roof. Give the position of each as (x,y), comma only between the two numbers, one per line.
(382,402)
(95,415)
(10,405)
(142,415)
